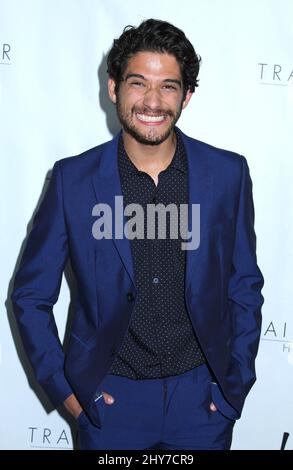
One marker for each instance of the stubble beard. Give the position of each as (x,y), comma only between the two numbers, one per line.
(150,137)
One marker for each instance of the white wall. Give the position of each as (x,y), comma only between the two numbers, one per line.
(51,106)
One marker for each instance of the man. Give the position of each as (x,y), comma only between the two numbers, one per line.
(166,329)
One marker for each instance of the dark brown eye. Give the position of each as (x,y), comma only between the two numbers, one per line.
(137,84)
(170,87)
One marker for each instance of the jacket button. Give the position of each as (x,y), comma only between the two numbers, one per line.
(130,296)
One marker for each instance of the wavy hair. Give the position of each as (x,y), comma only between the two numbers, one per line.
(154,36)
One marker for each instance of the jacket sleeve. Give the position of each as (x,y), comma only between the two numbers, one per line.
(36,290)
(246,282)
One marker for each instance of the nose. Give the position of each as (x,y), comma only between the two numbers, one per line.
(152,98)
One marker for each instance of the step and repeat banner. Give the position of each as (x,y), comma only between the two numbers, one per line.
(54,104)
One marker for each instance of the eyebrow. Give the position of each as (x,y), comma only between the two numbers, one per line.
(167,80)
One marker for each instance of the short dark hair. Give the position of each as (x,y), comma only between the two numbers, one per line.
(154,36)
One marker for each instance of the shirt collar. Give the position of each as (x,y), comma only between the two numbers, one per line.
(178,162)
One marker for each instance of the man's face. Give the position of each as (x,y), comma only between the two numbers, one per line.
(150,97)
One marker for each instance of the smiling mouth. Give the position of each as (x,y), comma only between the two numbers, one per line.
(149,118)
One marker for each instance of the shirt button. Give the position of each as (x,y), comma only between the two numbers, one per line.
(130,296)
(156,280)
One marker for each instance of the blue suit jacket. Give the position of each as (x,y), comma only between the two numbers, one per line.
(223,282)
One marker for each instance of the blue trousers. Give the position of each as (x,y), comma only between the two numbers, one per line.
(167,413)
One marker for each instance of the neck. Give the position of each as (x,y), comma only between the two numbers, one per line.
(150,158)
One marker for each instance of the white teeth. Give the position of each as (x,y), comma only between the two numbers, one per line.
(146,118)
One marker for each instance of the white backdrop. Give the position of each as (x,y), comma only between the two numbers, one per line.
(52,106)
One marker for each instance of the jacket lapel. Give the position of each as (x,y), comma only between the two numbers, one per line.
(200,192)
(107,185)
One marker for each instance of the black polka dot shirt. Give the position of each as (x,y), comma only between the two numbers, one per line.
(160,340)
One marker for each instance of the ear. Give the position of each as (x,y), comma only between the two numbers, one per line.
(111,90)
(187,99)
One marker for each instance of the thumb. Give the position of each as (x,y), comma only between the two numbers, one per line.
(213,407)
(108,398)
